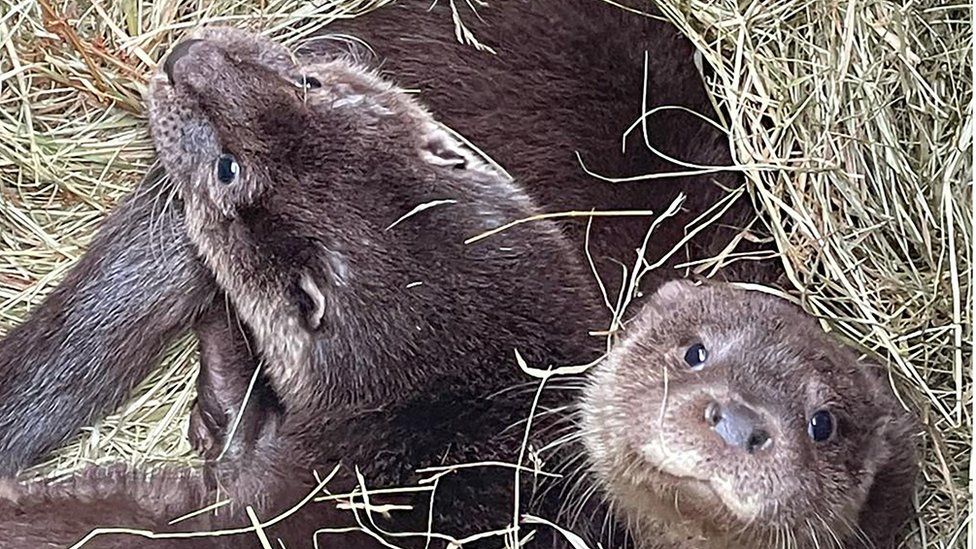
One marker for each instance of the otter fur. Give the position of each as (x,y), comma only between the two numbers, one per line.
(728,418)
(386,337)
(566,84)
(99,332)
(288,324)
(335,217)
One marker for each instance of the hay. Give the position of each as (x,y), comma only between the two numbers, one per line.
(852,121)
(865,108)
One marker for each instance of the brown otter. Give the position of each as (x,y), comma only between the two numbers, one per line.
(728,418)
(334,213)
(384,335)
(306,308)
(566,85)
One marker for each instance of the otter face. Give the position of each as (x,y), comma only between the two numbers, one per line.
(727,415)
(286,170)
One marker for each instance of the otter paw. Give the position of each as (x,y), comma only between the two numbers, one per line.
(205,433)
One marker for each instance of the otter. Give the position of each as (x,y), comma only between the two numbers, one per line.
(99,332)
(703,430)
(567,86)
(334,213)
(287,445)
(727,418)
(550,101)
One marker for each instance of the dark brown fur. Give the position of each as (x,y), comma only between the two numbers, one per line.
(386,339)
(567,77)
(584,122)
(565,83)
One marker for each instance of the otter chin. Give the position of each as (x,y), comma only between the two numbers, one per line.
(728,418)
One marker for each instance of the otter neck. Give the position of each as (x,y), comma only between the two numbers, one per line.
(284,344)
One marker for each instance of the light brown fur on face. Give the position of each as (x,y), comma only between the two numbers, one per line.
(680,484)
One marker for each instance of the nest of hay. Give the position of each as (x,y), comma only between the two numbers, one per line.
(852,122)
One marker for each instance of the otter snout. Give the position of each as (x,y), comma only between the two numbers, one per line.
(738,425)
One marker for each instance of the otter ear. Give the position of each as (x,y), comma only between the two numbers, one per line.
(310,302)
(892,459)
(896,421)
(876,376)
(442,149)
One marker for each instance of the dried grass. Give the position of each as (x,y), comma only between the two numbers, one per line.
(866,110)
(852,122)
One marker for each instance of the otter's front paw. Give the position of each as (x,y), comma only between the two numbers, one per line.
(224,385)
(205,433)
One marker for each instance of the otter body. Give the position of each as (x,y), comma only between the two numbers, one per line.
(565,84)
(567,78)
(335,213)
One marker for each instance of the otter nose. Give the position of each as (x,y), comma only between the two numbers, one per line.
(175,54)
(738,425)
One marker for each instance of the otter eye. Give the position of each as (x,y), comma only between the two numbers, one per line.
(821,426)
(227,169)
(309,82)
(696,355)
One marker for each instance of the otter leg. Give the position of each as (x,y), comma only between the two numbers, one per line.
(102,330)
(232,397)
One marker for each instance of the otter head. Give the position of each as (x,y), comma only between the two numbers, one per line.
(728,418)
(287,169)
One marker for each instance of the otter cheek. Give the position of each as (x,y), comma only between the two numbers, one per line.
(678,442)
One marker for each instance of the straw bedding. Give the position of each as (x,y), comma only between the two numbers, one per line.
(852,122)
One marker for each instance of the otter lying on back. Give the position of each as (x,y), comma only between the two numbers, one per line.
(333,211)
(560,83)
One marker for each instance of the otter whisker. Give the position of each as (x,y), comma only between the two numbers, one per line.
(855,529)
(158,180)
(813,534)
(578,492)
(581,506)
(538,414)
(830,531)
(568,434)
(574,482)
